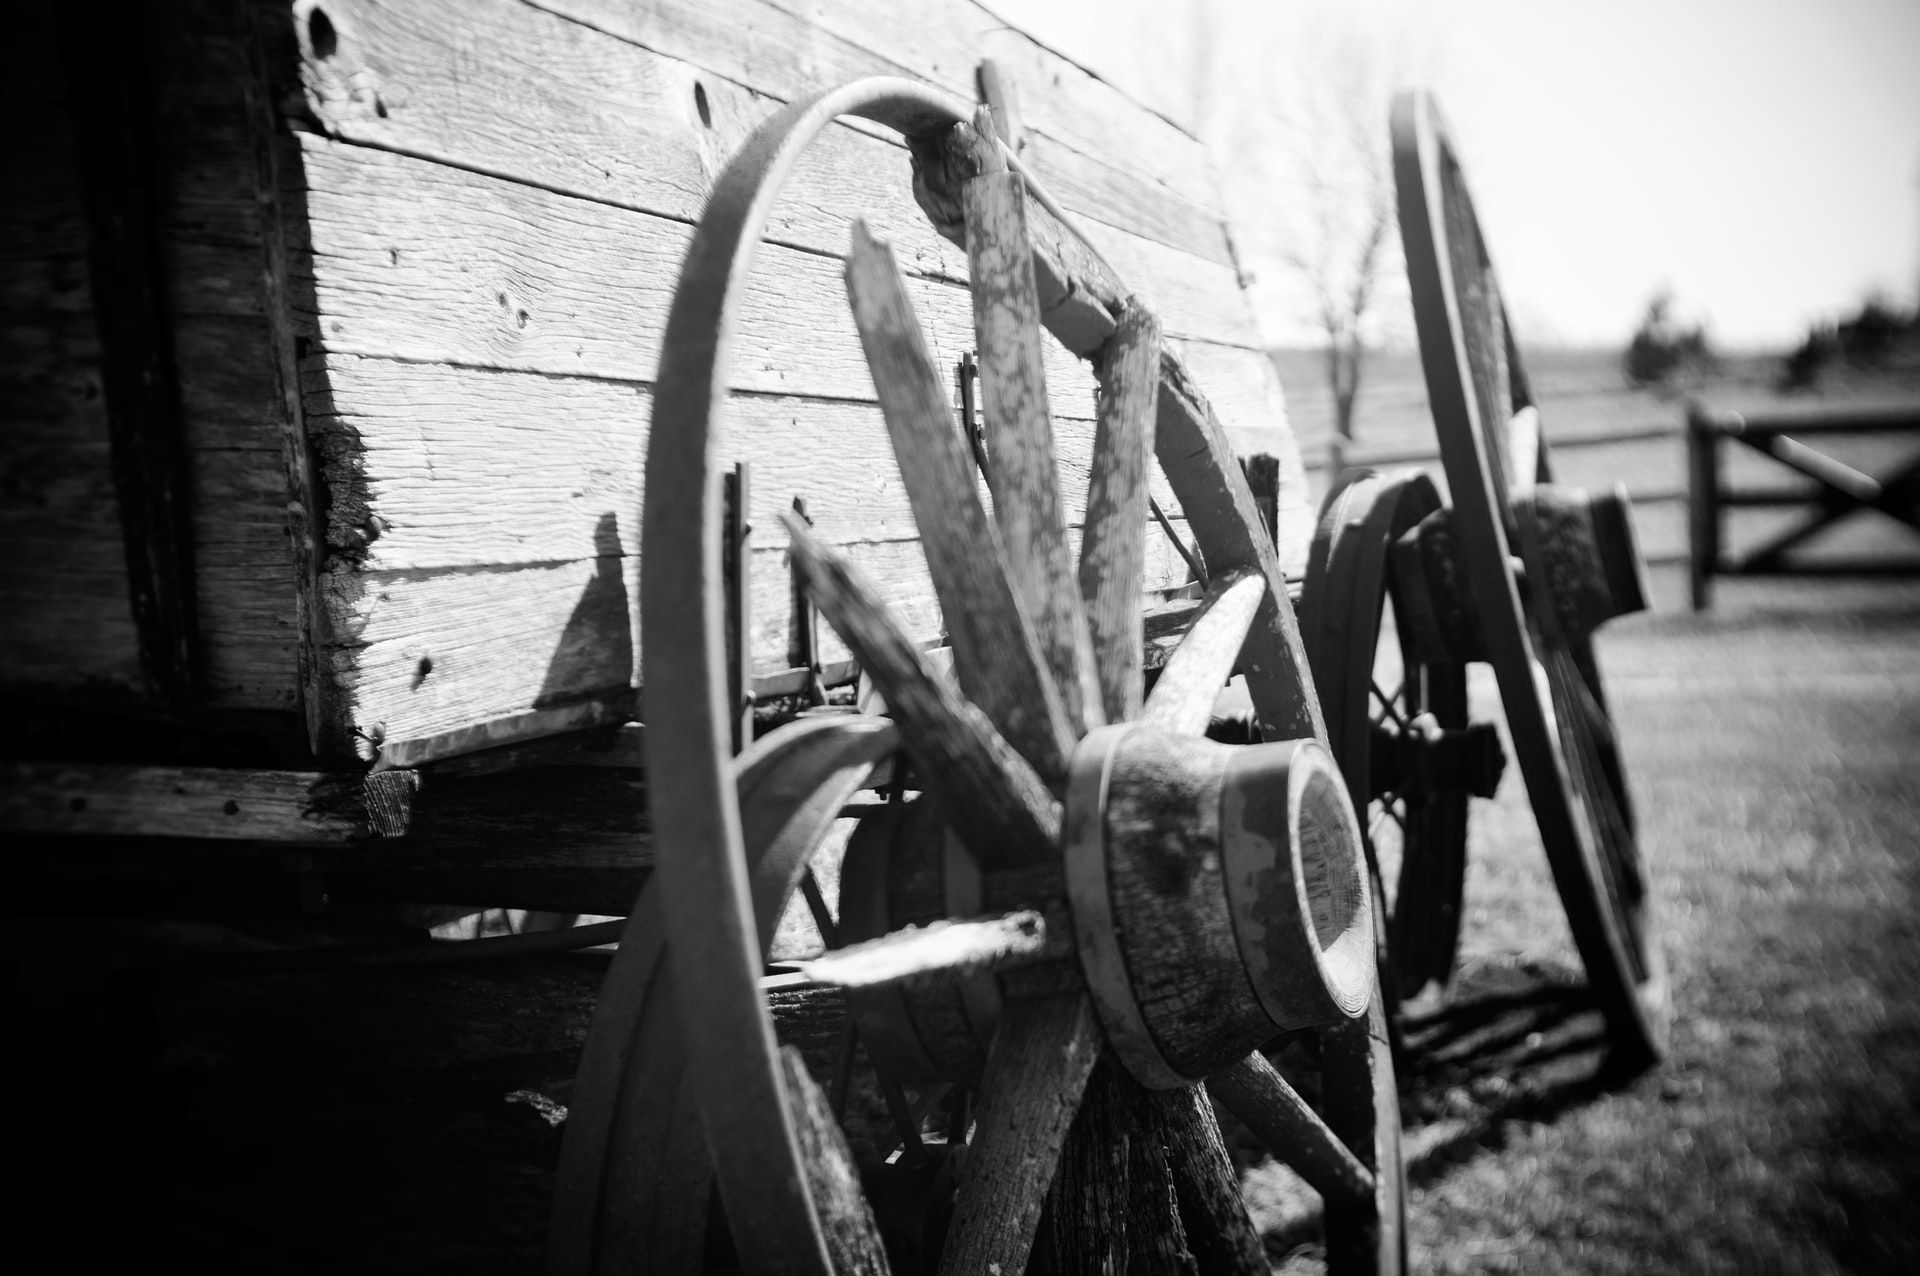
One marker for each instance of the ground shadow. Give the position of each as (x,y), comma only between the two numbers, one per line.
(1510,1043)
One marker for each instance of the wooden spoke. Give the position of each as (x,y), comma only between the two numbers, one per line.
(1219,1230)
(1003,808)
(1036,1072)
(1158,1240)
(1113,552)
(1090,1224)
(853,1237)
(942,952)
(996,654)
(1019,428)
(1256,1093)
(1182,700)
(1199,465)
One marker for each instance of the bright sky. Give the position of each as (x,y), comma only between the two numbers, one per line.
(1759,157)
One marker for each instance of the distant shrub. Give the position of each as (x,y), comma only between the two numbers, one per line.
(1868,337)
(1867,341)
(1801,368)
(1662,352)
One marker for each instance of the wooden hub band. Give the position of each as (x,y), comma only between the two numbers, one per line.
(1219,895)
(1584,543)
(1580,546)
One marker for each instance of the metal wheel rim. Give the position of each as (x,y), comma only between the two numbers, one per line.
(1552,743)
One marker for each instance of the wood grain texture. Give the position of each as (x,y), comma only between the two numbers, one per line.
(413,255)
(489,93)
(1089,1224)
(1169,902)
(118,162)
(1157,1227)
(421,261)
(1219,1230)
(786,54)
(1037,1070)
(1254,1091)
(940,952)
(432,467)
(63,575)
(249,805)
(420,655)
(1199,463)
(997,654)
(1019,431)
(1113,552)
(211,220)
(206,268)
(853,1237)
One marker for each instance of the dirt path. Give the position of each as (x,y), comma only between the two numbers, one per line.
(1775,755)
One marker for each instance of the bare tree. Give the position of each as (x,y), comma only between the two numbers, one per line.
(1312,173)
(1342,235)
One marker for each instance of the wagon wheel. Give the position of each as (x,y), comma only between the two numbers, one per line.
(1396,711)
(1532,617)
(1151,897)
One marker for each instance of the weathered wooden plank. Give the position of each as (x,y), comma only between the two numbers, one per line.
(430,263)
(1098,188)
(425,262)
(1195,299)
(462,467)
(466,467)
(43,238)
(423,654)
(784,54)
(168,801)
(63,575)
(248,612)
(111,100)
(646,130)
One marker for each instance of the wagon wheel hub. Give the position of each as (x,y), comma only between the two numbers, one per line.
(1218,895)
(1215,895)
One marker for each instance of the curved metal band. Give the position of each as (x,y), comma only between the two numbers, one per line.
(1084,843)
(716,958)
(732,1055)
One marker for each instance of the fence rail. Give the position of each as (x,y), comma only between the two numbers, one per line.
(1836,490)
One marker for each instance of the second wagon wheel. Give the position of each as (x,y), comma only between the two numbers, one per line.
(1396,706)
(1153,904)
(1542,567)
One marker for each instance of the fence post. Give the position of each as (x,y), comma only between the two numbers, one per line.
(1703,503)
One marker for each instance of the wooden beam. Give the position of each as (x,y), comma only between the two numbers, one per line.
(103,50)
(203,802)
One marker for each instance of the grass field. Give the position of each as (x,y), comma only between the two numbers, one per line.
(1773,746)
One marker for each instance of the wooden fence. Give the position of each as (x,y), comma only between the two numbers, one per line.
(1837,490)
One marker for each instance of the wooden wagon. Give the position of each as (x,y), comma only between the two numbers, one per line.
(367,368)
